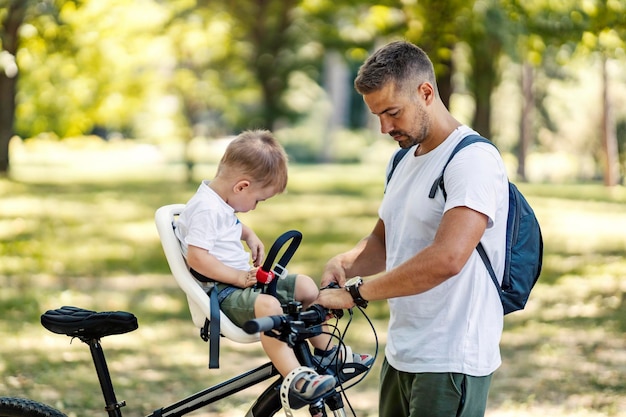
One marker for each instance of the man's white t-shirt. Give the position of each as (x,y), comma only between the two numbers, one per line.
(456,326)
(208,222)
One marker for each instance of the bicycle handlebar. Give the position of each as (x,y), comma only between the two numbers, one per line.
(314,315)
(264,324)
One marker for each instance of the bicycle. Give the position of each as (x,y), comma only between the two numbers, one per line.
(293,327)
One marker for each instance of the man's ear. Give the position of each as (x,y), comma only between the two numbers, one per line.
(241,185)
(426,91)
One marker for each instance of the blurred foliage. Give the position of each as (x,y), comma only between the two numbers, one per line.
(178,70)
(118,67)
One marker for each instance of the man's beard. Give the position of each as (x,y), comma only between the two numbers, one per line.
(423,121)
(408,142)
(411,140)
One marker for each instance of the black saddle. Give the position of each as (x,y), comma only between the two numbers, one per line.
(87,324)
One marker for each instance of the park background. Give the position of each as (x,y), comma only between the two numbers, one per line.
(109,110)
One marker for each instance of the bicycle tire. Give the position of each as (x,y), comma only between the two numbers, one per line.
(23,407)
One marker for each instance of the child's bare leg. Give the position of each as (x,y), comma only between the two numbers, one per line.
(307,385)
(306,292)
(281,355)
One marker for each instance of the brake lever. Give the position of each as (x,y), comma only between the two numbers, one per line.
(332,284)
(337,313)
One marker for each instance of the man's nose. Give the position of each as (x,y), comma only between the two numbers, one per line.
(386,125)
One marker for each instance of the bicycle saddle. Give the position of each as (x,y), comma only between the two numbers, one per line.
(87,324)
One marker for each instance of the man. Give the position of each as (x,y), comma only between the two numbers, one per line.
(446,316)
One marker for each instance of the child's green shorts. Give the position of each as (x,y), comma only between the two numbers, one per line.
(239,306)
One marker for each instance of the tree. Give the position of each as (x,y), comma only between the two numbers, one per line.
(289,36)
(12,16)
(492,34)
(44,19)
(95,67)
(271,53)
(604,36)
(437,27)
(591,27)
(345,31)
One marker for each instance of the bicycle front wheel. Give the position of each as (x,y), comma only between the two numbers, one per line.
(23,407)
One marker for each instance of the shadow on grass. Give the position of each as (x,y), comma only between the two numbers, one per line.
(95,246)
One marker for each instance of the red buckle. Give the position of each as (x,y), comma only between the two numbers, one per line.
(264,277)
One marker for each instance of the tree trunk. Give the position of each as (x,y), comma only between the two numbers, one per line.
(526,124)
(444,83)
(484,77)
(8,79)
(269,23)
(7,113)
(337,86)
(609,134)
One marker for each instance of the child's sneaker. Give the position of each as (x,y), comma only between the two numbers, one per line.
(332,361)
(314,385)
(334,358)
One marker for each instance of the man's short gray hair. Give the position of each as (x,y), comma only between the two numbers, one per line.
(400,62)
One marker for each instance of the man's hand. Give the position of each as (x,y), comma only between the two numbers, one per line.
(335,298)
(365,259)
(333,272)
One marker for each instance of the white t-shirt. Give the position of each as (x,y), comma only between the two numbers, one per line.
(456,326)
(209,223)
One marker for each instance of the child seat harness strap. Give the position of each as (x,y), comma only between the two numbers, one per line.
(211,330)
(265,274)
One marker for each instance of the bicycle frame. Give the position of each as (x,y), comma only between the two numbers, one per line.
(193,402)
(268,403)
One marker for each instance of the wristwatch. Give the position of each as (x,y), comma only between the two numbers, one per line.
(352,286)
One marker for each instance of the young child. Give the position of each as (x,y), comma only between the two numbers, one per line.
(253,169)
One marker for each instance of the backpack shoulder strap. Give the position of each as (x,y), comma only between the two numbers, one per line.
(468,140)
(397,157)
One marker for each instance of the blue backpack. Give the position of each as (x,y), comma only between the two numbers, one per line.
(524,243)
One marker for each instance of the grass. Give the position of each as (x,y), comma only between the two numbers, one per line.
(93,244)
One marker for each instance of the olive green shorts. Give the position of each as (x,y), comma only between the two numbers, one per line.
(239,306)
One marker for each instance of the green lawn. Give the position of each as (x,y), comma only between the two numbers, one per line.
(94,244)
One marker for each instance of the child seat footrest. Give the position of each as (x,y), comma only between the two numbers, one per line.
(88,324)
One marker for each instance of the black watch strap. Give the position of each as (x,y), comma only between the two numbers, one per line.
(354,291)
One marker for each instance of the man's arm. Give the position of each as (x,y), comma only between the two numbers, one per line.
(208,265)
(459,232)
(366,258)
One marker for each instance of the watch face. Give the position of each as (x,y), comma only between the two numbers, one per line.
(352,286)
(353,281)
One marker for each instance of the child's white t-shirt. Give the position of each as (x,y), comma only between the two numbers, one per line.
(208,222)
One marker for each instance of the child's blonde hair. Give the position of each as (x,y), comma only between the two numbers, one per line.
(258,154)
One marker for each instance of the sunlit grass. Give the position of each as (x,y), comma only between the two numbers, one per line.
(91,242)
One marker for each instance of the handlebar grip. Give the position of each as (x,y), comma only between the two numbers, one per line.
(316,314)
(263,324)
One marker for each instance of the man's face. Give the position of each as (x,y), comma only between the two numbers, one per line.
(402,114)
